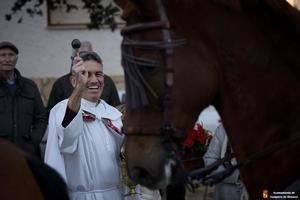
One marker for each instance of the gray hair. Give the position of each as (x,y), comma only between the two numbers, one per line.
(90,55)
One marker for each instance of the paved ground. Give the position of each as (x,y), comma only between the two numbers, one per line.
(203,193)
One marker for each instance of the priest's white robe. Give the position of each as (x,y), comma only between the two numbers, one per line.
(86,153)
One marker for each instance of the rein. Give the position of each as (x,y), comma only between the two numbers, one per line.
(201,176)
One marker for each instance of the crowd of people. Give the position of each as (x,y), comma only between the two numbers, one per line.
(80,122)
(82,126)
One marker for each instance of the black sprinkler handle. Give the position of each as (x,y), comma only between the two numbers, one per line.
(76,45)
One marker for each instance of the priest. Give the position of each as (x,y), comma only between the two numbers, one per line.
(84,137)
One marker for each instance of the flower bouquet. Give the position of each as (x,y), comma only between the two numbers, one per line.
(195,147)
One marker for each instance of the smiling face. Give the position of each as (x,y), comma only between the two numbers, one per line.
(95,83)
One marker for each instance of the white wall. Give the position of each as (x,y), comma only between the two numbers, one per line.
(46,52)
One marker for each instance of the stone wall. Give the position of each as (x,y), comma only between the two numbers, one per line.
(45,85)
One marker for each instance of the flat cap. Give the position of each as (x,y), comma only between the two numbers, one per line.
(9,45)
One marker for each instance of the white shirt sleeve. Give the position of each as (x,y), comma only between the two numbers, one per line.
(214,150)
(68,136)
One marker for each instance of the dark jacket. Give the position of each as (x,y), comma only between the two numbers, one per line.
(62,89)
(23,119)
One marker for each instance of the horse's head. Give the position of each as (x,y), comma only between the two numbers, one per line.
(165,89)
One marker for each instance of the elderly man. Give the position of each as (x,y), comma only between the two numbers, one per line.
(84,138)
(22,113)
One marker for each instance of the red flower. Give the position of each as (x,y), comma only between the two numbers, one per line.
(192,137)
(202,138)
(189,143)
(198,139)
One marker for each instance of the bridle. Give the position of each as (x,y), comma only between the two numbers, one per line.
(135,80)
(136,84)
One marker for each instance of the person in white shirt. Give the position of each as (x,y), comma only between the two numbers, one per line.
(84,137)
(232,187)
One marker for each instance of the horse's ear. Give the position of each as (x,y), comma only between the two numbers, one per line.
(232,4)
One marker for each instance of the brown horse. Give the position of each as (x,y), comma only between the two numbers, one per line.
(25,178)
(238,55)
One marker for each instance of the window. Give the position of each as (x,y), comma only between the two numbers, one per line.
(76,18)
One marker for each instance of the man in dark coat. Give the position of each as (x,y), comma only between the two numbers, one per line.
(22,113)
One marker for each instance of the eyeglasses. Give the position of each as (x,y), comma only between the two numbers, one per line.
(10,56)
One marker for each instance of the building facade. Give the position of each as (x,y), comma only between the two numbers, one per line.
(45,48)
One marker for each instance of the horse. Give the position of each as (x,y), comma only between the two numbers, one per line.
(26,178)
(241,56)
